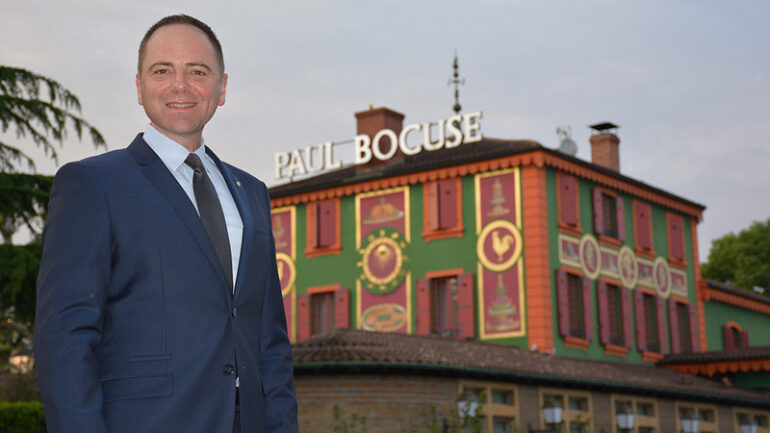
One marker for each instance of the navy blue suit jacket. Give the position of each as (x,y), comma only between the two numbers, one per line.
(136,329)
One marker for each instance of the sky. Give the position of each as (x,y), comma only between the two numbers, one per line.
(687,81)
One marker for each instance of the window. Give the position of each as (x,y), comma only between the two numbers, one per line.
(676,248)
(445,304)
(576,406)
(609,216)
(643,228)
(734,336)
(576,324)
(443,298)
(707,417)
(682,326)
(322,309)
(644,410)
(614,317)
(442,209)
(575,308)
(748,416)
(323,228)
(498,404)
(650,325)
(569,203)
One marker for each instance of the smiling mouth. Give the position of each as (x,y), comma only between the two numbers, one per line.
(180,105)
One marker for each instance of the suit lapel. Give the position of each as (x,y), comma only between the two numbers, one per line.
(239,195)
(165,182)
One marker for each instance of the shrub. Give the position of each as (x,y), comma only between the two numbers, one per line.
(22,417)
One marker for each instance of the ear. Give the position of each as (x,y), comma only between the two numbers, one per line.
(223,90)
(138,89)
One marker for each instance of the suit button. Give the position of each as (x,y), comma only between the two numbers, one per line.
(235,311)
(228,370)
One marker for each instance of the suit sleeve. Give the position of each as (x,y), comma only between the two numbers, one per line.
(71,291)
(277,368)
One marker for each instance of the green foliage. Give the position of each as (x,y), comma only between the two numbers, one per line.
(29,115)
(18,273)
(741,260)
(23,199)
(22,417)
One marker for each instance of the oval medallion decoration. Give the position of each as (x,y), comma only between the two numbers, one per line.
(590,258)
(287,272)
(382,261)
(629,270)
(499,245)
(383,317)
(662,275)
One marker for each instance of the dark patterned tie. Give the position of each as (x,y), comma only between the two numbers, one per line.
(211,214)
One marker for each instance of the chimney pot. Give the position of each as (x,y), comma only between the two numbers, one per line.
(372,121)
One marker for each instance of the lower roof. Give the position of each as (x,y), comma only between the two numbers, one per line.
(347,351)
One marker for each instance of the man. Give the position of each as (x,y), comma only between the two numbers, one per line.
(159,308)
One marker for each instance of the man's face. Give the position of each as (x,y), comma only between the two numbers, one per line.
(180,84)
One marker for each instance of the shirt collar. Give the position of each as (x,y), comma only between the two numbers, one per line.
(169,151)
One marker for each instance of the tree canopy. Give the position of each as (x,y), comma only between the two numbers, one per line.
(741,260)
(38,109)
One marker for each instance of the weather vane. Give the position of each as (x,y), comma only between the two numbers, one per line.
(457,82)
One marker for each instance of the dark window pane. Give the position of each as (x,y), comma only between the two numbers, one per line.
(576,323)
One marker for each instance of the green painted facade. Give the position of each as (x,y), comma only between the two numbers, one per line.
(718,314)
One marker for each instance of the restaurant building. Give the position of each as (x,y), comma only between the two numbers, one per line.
(462,263)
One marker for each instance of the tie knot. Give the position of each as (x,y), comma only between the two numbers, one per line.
(195,163)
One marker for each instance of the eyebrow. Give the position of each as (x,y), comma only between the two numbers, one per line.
(203,65)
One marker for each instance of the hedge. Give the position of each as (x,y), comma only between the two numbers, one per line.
(22,417)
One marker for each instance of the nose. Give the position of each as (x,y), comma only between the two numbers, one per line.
(180,82)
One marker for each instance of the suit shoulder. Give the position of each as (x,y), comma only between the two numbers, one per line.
(105,162)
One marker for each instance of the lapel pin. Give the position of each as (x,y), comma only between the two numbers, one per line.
(238,182)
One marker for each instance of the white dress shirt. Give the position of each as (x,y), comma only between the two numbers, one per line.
(173,156)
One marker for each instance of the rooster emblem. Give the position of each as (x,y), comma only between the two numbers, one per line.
(501,245)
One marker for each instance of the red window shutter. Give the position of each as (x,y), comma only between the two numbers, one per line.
(694,346)
(598,212)
(673,324)
(327,223)
(342,308)
(303,317)
(643,226)
(641,326)
(660,305)
(465,310)
(620,211)
(676,237)
(625,310)
(568,199)
(447,203)
(604,312)
(588,309)
(431,197)
(745,338)
(423,306)
(563,301)
(312,225)
(729,338)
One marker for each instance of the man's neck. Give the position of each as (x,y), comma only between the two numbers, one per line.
(190,142)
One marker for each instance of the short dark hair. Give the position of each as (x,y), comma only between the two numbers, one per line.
(182,19)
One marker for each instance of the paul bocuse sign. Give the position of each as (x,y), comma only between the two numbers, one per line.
(449,133)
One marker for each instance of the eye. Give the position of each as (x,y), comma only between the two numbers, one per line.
(160,71)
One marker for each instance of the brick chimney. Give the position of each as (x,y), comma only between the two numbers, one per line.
(372,121)
(605,146)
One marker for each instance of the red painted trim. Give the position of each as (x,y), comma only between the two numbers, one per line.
(323,289)
(310,222)
(712,368)
(576,343)
(736,300)
(614,350)
(444,273)
(452,232)
(648,356)
(539,302)
(569,228)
